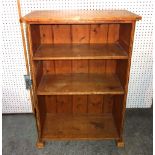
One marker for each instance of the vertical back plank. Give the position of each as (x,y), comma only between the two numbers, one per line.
(63,66)
(48,67)
(111,66)
(97,66)
(80,66)
(61,34)
(51,105)
(46,34)
(64,104)
(113,33)
(80,33)
(80,101)
(80,104)
(107,104)
(99,33)
(95,103)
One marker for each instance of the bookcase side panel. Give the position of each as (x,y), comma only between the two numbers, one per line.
(126,37)
(32,32)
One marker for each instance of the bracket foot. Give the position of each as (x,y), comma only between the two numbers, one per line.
(120,143)
(40,144)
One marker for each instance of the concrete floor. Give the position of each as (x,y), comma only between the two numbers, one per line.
(19,138)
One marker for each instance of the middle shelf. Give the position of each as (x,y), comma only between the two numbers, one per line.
(79,51)
(79,84)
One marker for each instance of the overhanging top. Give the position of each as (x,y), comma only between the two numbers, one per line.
(79,16)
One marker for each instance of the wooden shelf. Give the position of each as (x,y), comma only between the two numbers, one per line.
(68,126)
(79,84)
(79,16)
(80,51)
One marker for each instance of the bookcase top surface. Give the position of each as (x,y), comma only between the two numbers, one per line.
(79,16)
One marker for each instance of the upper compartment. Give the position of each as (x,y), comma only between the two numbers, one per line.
(79,17)
(80,41)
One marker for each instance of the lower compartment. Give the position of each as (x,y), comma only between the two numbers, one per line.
(70,126)
(80,116)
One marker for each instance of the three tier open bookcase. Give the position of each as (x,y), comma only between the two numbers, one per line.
(80,63)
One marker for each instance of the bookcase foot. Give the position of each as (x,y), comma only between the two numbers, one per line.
(40,144)
(120,143)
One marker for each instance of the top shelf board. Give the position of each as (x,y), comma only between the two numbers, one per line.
(79,16)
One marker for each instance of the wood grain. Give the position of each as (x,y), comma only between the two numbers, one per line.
(61,34)
(48,67)
(34,33)
(108,103)
(80,33)
(79,104)
(46,34)
(80,51)
(113,33)
(64,104)
(131,36)
(117,111)
(65,126)
(125,36)
(95,103)
(111,66)
(35,105)
(63,66)
(79,16)
(50,104)
(99,33)
(40,111)
(78,84)
(38,66)
(80,66)
(97,66)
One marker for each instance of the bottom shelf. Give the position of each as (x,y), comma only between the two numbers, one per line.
(67,126)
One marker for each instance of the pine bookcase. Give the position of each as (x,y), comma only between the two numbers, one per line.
(80,64)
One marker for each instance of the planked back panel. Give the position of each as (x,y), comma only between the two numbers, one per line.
(79,104)
(96,33)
